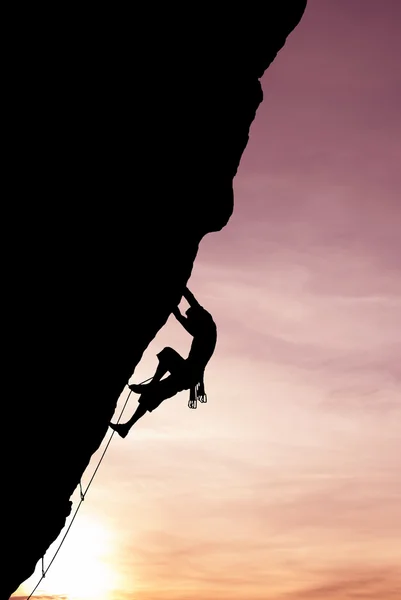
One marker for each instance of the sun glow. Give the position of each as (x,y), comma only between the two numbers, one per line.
(82,569)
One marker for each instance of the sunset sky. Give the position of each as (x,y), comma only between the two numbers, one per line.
(286,485)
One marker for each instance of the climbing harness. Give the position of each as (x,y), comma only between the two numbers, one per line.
(197,392)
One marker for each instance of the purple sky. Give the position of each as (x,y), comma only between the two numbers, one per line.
(287,484)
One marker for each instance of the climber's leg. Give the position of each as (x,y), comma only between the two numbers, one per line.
(151,399)
(123,428)
(169,361)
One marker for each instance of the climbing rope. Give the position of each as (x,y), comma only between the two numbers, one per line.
(197,393)
(82,495)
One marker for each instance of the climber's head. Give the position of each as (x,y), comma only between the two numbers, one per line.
(190,312)
(195,313)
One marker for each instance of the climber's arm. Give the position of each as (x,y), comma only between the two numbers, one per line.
(183,320)
(190,298)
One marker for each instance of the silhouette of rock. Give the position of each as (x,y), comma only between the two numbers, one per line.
(128,128)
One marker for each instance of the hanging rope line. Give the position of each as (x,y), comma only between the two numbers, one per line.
(82,495)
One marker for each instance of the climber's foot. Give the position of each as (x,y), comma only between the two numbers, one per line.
(121,428)
(138,388)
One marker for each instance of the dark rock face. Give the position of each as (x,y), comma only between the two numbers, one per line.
(127,132)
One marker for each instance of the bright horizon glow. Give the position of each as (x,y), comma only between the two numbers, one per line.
(82,570)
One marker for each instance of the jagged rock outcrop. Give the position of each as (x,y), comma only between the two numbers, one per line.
(128,131)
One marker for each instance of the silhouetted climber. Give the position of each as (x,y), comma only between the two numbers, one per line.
(185,374)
